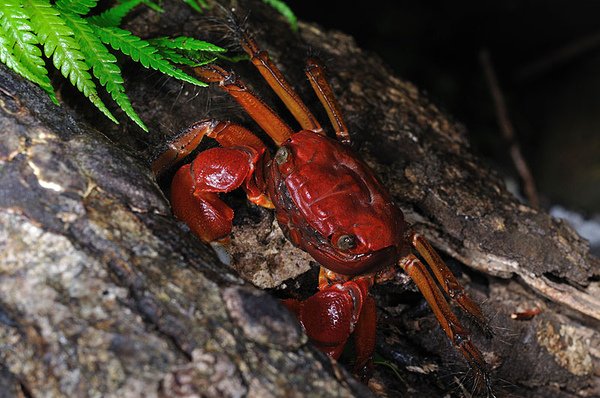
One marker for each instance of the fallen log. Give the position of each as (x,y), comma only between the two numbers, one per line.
(104,293)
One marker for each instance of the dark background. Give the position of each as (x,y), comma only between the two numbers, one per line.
(547,58)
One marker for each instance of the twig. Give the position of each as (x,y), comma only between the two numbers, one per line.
(560,56)
(508,131)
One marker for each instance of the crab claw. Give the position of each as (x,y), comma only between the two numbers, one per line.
(335,313)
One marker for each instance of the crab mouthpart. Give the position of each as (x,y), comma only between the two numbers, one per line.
(352,264)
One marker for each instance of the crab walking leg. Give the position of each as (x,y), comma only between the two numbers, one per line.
(442,311)
(364,336)
(262,114)
(316,76)
(196,186)
(448,281)
(280,85)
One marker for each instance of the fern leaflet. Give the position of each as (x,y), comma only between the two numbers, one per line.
(186,50)
(80,7)
(153,6)
(184,58)
(198,5)
(19,46)
(186,43)
(103,63)
(114,16)
(284,10)
(141,51)
(59,44)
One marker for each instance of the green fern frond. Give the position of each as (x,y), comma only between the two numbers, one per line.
(186,58)
(114,16)
(186,50)
(57,39)
(80,7)
(20,50)
(141,51)
(8,58)
(185,43)
(284,10)
(176,57)
(58,30)
(103,63)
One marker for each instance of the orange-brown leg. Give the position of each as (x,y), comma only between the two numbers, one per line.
(449,322)
(316,76)
(448,281)
(262,114)
(280,85)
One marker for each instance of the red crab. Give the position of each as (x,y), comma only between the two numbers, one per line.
(328,202)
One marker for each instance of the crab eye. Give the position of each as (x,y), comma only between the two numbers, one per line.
(346,242)
(282,154)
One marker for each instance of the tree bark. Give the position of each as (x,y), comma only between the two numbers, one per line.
(104,293)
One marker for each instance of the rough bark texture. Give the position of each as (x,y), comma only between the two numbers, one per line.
(103,293)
